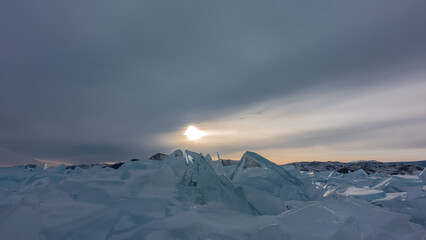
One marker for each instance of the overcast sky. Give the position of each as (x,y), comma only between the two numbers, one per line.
(100,81)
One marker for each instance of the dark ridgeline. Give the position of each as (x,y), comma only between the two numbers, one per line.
(394,168)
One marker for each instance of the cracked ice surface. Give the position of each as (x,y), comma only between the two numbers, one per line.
(177,198)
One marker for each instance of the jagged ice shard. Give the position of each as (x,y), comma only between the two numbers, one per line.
(266,184)
(208,186)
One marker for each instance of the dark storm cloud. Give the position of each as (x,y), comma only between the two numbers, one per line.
(98,80)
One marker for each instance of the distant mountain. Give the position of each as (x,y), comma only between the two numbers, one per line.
(405,168)
(417,163)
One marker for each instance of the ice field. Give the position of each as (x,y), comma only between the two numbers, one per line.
(187,195)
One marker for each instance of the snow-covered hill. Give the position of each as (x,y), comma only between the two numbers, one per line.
(185,195)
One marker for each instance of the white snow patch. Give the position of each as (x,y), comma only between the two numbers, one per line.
(354,191)
(382,183)
(329,191)
(390,196)
(413,177)
(329,210)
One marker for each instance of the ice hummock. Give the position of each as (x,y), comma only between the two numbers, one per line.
(266,184)
(176,199)
(209,187)
(253,167)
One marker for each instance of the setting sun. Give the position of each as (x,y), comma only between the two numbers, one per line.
(194,134)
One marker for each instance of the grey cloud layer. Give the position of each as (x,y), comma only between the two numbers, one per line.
(96,81)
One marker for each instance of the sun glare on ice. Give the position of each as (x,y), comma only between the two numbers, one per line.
(194,134)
